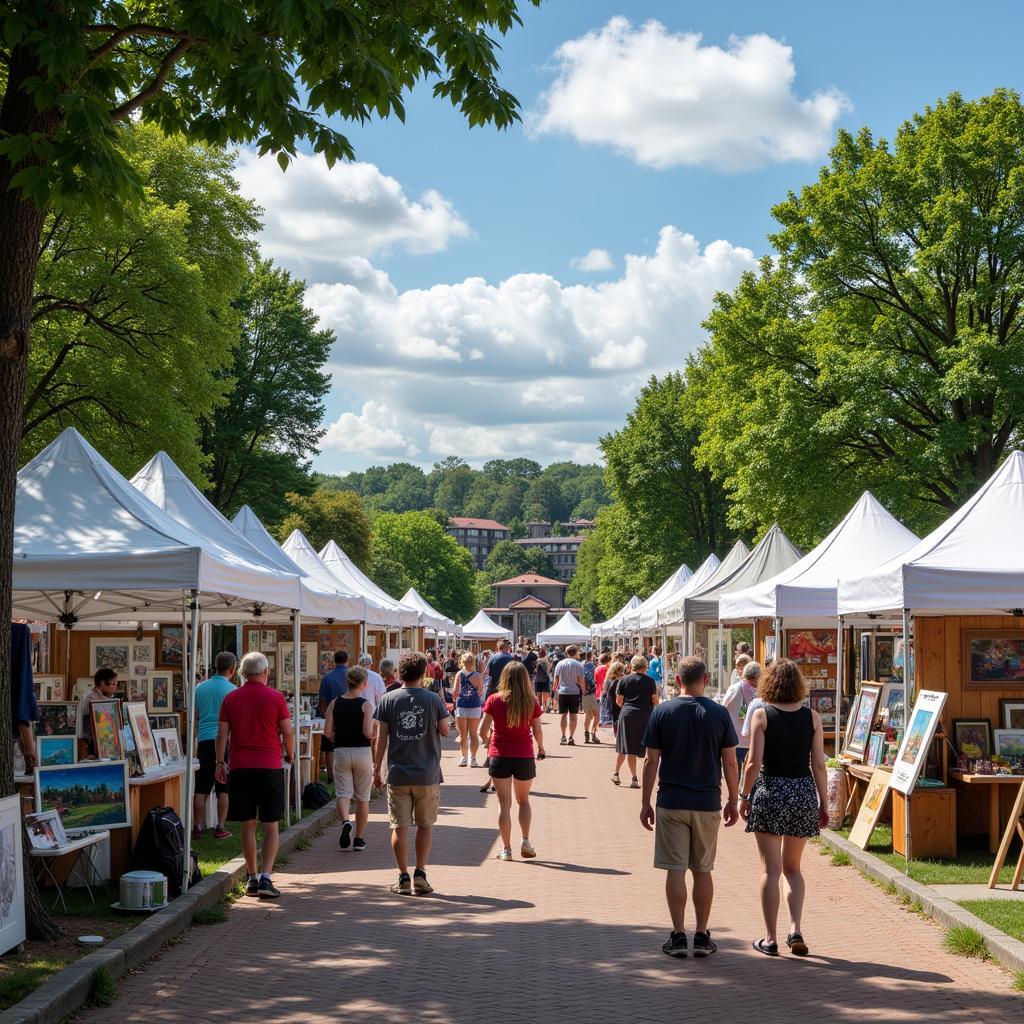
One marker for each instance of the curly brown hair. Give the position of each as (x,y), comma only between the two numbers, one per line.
(782,683)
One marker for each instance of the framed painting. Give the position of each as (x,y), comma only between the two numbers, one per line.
(57,750)
(110,652)
(48,687)
(972,738)
(890,705)
(268,640)
(45,831)
(106,729)
(145,746)
(144,653)
(138,688)
(884,648)
(874,753)
(1011,713)
(1009,743)
(83,684)
(12,878)
(993,658)
(90,794)
(851,718)
(159,697)
(326,662)
(917,739)
(863,720)
(871,808)
(769,649)
(252,640)
(810,646)
(867,657)
(170,721)
(57,719)
(168,744)
(171,646)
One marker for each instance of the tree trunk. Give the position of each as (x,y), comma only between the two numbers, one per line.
(21,223)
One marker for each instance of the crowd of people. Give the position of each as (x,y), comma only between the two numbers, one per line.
(385,730)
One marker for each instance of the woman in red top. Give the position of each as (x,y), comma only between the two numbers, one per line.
(515,716)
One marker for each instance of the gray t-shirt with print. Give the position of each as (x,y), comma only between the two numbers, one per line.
(414,744)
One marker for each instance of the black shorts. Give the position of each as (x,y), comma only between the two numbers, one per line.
(256,793)
(206,782)
(521,768)
(544,687)
(569,703)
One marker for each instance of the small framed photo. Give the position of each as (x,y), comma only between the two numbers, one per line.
(168,745)
(144,653)
(252,640)
(1009,743)
(160,692)
(48,687)
(972,738)
(138,689)
(45,831)
(172,645)
(56,750)
(268,641)
(875,752)
(1011,713)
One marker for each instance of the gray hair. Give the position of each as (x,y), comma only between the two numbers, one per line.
(365,659)
(751,670)
(638,663)
(387,667)
(254,664)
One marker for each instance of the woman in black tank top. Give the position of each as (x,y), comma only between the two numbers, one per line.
(349,724)
(783,795)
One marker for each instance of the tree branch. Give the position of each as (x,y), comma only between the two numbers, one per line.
(155,87)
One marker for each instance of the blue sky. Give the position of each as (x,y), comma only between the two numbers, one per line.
(444,260)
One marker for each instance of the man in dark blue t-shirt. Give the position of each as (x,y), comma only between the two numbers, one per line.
(497,665)
(332,686)
(690,741)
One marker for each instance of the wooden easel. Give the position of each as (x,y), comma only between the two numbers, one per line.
(1013,827)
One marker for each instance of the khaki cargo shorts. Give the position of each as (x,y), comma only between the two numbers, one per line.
(413,805)
(685,839)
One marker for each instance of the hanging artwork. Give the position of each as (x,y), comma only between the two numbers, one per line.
(106,729)
(90,794)
(138,688)
(268,641)
(145,746)
(811,645)
(993,658)
(144,652)
(1011,713)
(252,640)
(12,879)
(110,652)
(57,719)
(160,691)
(862,720)
(48,687)
(917,739)
(171,645)
(884,646)
(83,684)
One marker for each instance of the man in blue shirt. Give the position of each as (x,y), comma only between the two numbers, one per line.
(332,686)
(497,665)
(209,697)
(656,672)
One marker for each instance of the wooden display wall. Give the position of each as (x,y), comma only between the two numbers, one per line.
(80,652)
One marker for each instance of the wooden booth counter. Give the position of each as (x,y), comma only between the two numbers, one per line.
(994,784)
(932,823)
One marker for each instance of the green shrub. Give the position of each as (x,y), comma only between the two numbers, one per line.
(966,941)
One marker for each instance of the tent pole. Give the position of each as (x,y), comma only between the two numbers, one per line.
(719,654)
(839,685)
(297,680)
(190,729)
(907,693)
(778,638)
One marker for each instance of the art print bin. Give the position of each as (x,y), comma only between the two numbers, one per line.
(143,890)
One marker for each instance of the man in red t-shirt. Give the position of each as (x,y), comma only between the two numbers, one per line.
(255,718)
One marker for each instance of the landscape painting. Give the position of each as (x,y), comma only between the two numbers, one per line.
(57,750)
(996,659)
(88,795)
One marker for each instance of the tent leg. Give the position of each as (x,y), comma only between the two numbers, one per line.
(190,660)
(908,691)
(296,761)
(839,685)
(718,660)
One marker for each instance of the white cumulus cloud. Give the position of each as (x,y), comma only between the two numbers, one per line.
(620,355)
(375,430)
(594,260)
(666,99)
(318,218)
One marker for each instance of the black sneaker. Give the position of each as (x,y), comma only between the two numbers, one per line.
(703,945)
(345,839)
(572,742)
(358,844)
(252,885)
(676,945)
(420,885)
(267,889)
(586,737)
(403,887)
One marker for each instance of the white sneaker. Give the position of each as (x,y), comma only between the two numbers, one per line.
(473,764)
(527,850)
(463,762)
(505,854)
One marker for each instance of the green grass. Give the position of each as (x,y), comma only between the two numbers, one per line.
(94,815)
(102,988)
(27,977)
(840,859)
(1018,981)
(1006,915)
(965,941)
(217,914)
(972,866)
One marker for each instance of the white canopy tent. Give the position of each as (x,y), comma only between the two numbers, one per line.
(704,572)
(483,627)
(431,618)
(670,612)
(615,625)
(645,614)
(973,564)
(567,630)
(352,578)
(867,535)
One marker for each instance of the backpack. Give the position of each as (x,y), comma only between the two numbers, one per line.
(315,796)
(161,847)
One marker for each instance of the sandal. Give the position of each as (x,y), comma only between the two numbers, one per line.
(635,784)
(796,944)
(616,779)
(768,948)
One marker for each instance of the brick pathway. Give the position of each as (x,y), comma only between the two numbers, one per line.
(571,937)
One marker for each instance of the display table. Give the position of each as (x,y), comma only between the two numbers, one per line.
(932,823)
(73,860)
(994,783)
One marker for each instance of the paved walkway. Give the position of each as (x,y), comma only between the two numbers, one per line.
(571,937)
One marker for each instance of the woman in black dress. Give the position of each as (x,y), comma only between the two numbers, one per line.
(783,798)
(636,694)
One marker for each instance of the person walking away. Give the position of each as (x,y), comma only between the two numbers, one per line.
(511,725)
(570,683)
(591,708)
(737,702)
(210,695)
(784,798)
(656,670)
(469,702)
(254,719)
(636,695)
(690,743)
(349,725)
(497,665)
(410,725)
(388,674)
(542,679)
(601,672)
(332,686)
(530,659)
(451,666)
(375,685)
(609,707)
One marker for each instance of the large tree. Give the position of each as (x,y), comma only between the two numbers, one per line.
(132,315)
(882,348)
(260,442)
(508,559)
(74,75)
(330,515)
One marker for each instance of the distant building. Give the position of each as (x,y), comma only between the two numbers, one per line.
(528,604)
(561,550)
(478,535)
(580,525)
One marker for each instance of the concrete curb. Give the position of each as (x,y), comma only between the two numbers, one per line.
(1002,947)
(67,991)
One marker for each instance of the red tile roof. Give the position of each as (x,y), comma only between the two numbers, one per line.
(551,540)
(529,602)
(530,579)
(462,522)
